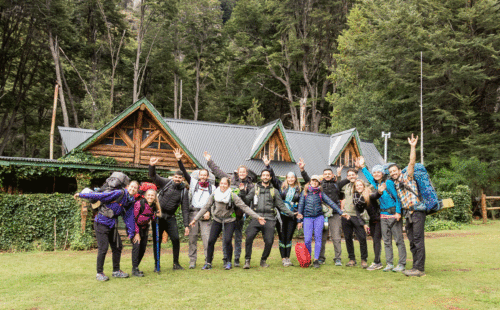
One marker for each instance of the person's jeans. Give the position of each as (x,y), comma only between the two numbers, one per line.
(351,226)
(215,231)
(138,249)
(335,231)
(105,237)
(268,233)
(202,227)
(170,226)
(392,228)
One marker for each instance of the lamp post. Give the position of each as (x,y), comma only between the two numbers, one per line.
(386,136)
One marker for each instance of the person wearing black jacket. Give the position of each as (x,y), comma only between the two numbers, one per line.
(364,199)
(331,186)
(172,193)
(290,191)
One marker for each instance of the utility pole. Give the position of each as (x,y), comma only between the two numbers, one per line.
(386,136)
(421,114)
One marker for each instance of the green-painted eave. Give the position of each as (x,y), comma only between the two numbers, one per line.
(131,109)
(358,142)
(279,125)
(72,165)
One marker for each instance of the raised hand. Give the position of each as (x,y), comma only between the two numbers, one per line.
(413,141)
(382,187)
(153,161)
(356,163)
(361,161)
(207,156)
(178,154)
(339,170)
(301,164)
(266,160)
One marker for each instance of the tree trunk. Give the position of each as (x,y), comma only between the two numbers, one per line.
(180,101)
(140,37)
(197,93)
(72,103)
(54,49)
(175,95)
(303,108)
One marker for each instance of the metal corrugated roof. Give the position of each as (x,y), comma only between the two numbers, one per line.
(337,143)
(260,136)
(73,137)
(230,145)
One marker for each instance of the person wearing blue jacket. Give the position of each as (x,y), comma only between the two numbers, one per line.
(390,216)
(114,203)
(311,214)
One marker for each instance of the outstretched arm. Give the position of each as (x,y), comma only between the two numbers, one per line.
(215,169)
(303,172)
(275,181)
(157,180)
(178,155)
(413,155)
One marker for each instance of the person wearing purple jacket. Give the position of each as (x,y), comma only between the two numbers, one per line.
(114,202)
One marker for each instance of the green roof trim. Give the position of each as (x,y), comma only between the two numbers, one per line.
(131,109)
(279,125)
(355,135)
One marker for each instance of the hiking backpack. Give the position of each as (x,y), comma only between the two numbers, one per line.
(427,194)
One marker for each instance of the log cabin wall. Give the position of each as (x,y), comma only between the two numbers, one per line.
(136,139)
(349,154)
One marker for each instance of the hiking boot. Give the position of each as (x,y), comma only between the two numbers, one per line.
(101,277)
(156,271)
(389,267)
(351,263)
(321,262)
(247,264)
(177,267)
(399,268)
(119,274)
(364,264)
(414,273)
(374,266)
(338,262)
(236,263)
(228,266)
(137,273)
(192,265)
(207,266)
(316,264)
(263,264)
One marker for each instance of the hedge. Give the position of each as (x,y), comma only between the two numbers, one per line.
(27,223)
(462,212)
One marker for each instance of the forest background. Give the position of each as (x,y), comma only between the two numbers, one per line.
(319,65)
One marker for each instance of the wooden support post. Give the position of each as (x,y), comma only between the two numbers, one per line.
(83,215)
(138,138)
(483,207)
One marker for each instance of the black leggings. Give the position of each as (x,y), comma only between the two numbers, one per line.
(138,249)
(285,234)
(376,233)
(105,237)
(170,226)
(215,231)
(350,226)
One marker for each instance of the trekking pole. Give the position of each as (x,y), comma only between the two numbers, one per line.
(158,245)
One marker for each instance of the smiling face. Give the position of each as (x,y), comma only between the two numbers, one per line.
(328,175)
(203,175)
(314,183)
(150,196)
(360,187)
(377,175)
(394,172)
(290,179)
(352,176)
(242,173)
(265,177)
(132,188)
(224,184)
(178,178)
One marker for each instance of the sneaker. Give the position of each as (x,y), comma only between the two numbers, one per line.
(284,262)
(399,268)
(321,262)
(157,271)
(414,273)
(316,264)
(351,263)
(364,264)
(101,277)
(389,267)
(192,265)
(137,273)
(228,266)
(338,262)
(119,274)
(374,266)
(207,266)
(236,263)
(289,262)
(177,267)
(247,264)
(263,264)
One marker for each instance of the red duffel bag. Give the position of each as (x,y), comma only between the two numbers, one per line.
(303,255)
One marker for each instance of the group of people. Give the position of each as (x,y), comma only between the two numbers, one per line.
(325,206)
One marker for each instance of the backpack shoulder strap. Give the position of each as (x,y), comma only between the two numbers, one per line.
(272,192)
(166,187)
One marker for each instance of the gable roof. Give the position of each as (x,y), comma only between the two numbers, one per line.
(96,135)
(264,133)
(230,145)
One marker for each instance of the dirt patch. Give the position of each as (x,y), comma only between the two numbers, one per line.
(449,234)
(462,270)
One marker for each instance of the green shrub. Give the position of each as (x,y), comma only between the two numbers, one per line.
(27,222)
(462,212)
(434,224)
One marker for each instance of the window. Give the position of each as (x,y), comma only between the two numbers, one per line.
(113,139)
(128,127)
(160,143)
(147,129)
(272,150)
(347,158)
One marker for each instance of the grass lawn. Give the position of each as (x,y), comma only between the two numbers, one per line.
(463,272)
